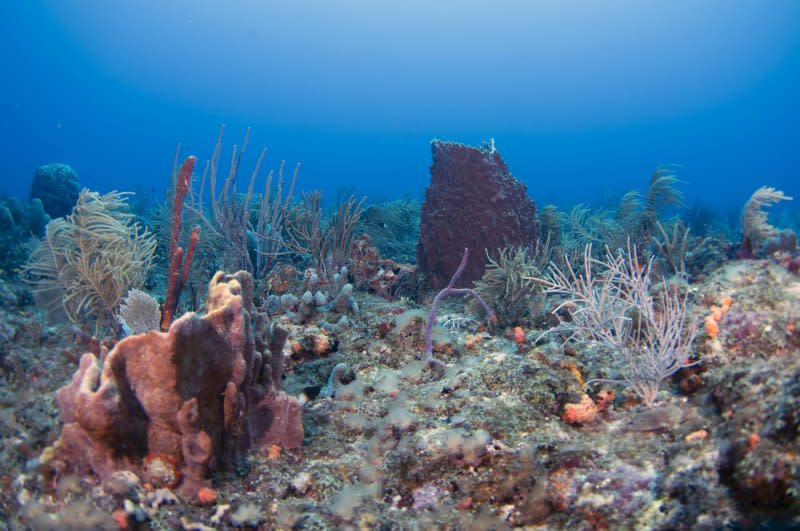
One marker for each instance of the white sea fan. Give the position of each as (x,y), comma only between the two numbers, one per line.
(139,313)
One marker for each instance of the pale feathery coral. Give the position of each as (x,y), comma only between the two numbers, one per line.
(755,227)
(91,258)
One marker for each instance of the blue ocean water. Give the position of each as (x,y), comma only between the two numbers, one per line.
(584,99)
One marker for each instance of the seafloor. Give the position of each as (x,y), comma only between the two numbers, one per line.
(197,413)
(482,446)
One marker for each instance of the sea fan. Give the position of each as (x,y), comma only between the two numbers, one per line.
(139,313)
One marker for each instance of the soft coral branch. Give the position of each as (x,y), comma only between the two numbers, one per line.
(178,268)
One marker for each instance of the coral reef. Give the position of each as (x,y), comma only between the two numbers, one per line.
(382,276)
(20,223)
(296,397)
(56,185)
(473,201)
(506,436)
(197,396)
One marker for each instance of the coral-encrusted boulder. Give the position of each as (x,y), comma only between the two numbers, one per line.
(198,395)
(56,185)
(473,201)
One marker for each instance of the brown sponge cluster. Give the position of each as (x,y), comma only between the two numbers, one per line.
(199,395)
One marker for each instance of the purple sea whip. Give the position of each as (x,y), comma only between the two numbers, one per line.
(446,292)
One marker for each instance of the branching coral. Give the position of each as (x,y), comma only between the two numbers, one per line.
(755,228)
(647,332)
(551,222)
(242,230)
(635,218)
(230,211)
(673,248)
(91,258)
(446,292)
(507,286)
(326,239)
(661,193)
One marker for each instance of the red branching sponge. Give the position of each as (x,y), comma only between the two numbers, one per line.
(178,271)
(181,189)
(201,393)
(187,264)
